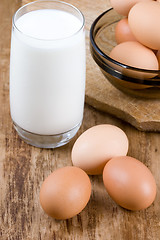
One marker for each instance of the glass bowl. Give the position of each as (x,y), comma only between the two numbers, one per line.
(134,81)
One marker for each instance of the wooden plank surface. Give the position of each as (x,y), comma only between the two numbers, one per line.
(23,168)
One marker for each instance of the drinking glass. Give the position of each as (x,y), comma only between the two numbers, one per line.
(47,73)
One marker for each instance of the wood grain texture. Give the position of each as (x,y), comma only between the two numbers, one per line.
(142,113)
(23,169)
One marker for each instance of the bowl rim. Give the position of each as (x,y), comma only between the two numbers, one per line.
(97,49)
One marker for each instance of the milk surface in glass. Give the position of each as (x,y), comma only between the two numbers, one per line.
(47,72)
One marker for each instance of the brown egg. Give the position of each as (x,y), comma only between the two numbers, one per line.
(123,6)
(123,32)
(158,57)
(129,183)
(144,19)
(65,192)
(136,55)
(97,145)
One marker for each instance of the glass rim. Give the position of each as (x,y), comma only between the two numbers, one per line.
(51,1)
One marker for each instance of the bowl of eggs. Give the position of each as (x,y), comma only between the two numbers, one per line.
(125,43)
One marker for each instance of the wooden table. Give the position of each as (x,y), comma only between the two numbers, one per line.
(23,168)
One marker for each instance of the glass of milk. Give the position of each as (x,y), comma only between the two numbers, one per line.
(47,72)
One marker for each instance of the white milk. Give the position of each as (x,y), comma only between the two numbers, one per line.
(47,72)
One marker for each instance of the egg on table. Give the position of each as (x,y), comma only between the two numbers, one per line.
(65,192)
(96,146)
(129,183)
